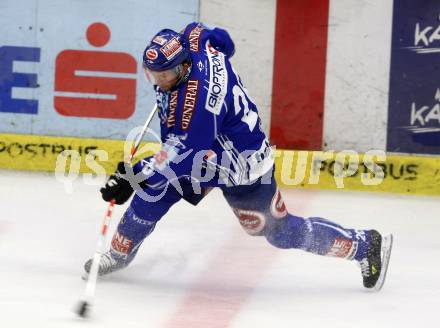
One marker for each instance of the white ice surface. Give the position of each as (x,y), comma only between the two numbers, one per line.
(199,269)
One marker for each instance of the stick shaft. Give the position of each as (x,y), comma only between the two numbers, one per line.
(93,275)
(138,140)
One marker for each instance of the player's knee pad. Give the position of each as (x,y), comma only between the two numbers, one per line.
(253,222)
(260,211)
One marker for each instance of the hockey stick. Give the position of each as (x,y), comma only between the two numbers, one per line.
(85,303)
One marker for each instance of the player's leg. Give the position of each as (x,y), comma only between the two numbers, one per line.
(262,212)
(138,221)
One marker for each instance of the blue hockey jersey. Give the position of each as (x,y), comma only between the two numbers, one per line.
(210,128)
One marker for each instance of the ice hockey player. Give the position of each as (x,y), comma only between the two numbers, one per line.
(212,138)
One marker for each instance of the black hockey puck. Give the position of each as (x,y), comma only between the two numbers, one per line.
(83,309)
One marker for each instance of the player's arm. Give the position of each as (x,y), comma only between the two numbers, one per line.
(179,157)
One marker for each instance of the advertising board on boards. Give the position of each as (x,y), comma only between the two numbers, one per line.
(73,68)
(414,101)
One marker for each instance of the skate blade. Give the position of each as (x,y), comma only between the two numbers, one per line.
(387,246)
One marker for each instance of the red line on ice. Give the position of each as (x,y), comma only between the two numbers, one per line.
(229,278)
(3,226)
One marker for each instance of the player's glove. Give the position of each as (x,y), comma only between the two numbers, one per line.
(117,187)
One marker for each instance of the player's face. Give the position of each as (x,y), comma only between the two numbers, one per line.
(165,80)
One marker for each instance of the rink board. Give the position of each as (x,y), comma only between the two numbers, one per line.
(72,68)
(369,172)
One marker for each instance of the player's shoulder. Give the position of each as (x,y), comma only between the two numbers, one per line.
(200,37)
(196,34)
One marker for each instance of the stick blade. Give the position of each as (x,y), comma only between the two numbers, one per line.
(83,309)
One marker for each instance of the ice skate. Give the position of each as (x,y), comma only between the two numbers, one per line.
(107,264)
(375,266)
